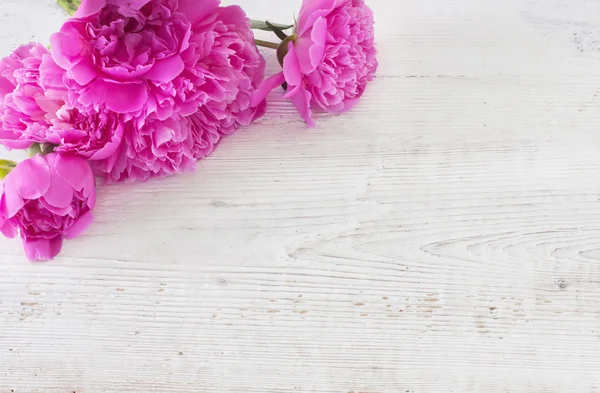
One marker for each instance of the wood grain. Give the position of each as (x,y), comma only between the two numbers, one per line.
(442,237)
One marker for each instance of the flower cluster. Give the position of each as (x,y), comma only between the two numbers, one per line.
(135,89)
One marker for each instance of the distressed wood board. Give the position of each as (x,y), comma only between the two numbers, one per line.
(442,237)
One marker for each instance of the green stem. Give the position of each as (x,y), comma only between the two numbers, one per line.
(266,44)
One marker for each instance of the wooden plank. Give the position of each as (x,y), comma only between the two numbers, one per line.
(441,237)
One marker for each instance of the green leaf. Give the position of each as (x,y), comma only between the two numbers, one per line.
(260,25)
(8,163)
(69,5)
(34,150)
(3,173)
(5,167)
(41,149)
(47,148)
(278,32)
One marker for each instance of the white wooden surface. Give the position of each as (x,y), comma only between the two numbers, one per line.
(442,237)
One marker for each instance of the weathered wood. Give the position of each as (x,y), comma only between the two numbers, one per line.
(442,237)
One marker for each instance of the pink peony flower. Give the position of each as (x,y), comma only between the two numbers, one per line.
(120,50)
(204,132)
(329,60)
(223,68)
(44,199)
(38,106)
(156,63)
(160,56)
(91,135)
(156,148)
(94,134)
(22,100)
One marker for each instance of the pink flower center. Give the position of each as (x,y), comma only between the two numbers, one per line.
(127,42)
(37,222)
(96,125)
(85,132)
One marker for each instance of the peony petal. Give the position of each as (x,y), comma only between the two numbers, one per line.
(80,225)
(11,203)
(30,179)
(75,171)
(42,249)
(125,97)
(66,46)
(233,15)
(257,112)
(63,211)
(51,75)
(93,94)
(7,141)
(26,104)
(92,199)
(48,105)
(349,104)
(83,72)
(6,227)
(311,50)
(5,87)
(265,88)
(109,163)
(319,38)
(89,7)
(301,99)
(60,193)
(135,4)
(8,230)
(166,70)
(291,67)
(162,134)
(123,73)
(302,48)
(195,12)
(311,11)
(110,148)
